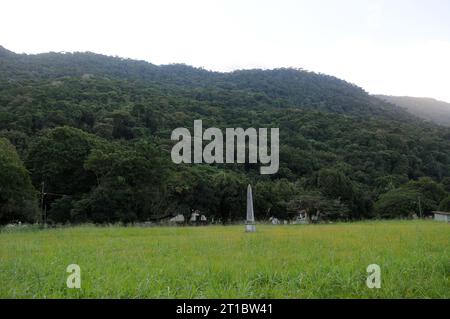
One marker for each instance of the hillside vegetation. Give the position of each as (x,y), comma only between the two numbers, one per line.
(426,108)
(96,130)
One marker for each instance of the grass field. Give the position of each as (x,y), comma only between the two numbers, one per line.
(295,261)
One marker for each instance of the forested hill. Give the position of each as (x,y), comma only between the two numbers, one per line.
(426,108)
(280,88)
(96,130)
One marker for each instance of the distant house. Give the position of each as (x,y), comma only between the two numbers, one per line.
(274,220)
(179,219)
(442,216)
(195,216)
(198,218)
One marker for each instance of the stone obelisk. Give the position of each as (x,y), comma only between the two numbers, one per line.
(250,222)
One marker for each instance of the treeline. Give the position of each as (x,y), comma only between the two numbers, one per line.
(96,131)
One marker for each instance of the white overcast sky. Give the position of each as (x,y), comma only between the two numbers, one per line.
(397,47)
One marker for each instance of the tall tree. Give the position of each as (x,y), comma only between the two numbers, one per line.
(18,198)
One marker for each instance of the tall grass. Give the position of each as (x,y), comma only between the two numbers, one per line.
(296,261)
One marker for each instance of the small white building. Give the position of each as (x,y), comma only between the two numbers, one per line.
(274,220)
(442,216)
(179,219)
(194,217)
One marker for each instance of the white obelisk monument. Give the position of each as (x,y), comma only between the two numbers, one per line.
(250,222)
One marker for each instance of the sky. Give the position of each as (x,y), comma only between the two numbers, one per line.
(394,47)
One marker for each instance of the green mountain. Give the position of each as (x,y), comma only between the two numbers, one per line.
(281,88)
(96,130)
(425,108)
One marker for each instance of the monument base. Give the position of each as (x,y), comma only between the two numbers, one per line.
(250,228)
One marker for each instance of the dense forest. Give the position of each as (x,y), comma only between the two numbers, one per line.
(426,108)
(94,132)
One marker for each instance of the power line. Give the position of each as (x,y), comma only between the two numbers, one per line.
(43,204)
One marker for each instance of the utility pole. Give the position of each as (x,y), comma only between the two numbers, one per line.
(43,206)
(420,208)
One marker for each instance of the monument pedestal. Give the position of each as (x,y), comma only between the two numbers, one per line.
(250,228)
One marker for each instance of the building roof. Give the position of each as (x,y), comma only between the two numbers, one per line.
(441,213)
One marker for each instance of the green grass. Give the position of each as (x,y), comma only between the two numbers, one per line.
(296,261)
